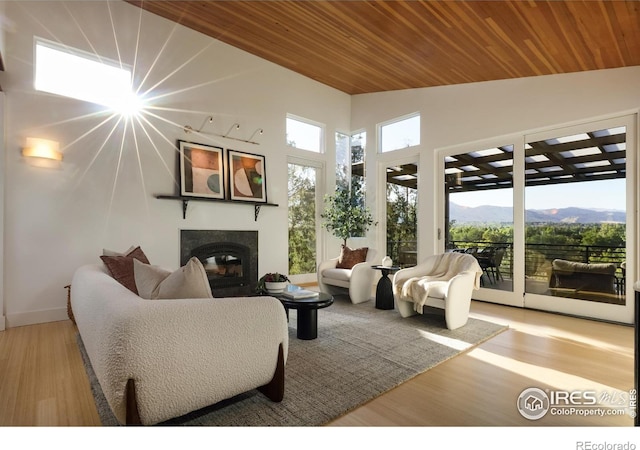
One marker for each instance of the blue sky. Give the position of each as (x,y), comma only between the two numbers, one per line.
(607,194)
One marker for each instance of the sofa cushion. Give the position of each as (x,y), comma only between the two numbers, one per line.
(337,274)
(189,281)
(578,267)
(350,257)
(121,267)
(438,289)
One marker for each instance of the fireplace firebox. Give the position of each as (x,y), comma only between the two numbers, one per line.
(229,257)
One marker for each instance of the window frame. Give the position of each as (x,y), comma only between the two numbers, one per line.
(321,127)
(380,128)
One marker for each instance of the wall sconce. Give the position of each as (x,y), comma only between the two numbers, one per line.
(42,153)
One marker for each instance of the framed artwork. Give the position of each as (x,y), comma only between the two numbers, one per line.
(247,180)
(201,170)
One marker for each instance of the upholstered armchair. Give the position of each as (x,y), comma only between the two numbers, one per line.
(358,279)
(445,281)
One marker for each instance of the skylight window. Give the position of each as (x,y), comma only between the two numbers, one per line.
(75,74)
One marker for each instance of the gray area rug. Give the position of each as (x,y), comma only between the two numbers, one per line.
(360,353)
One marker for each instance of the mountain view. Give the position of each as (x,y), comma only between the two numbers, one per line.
(503,214)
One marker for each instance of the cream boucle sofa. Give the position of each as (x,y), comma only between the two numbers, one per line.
(160,359)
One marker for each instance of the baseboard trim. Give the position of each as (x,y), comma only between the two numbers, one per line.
(2,323)
(35,317)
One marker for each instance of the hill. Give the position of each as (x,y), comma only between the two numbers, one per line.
(504,214)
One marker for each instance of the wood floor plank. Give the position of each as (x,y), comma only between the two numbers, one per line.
(481,387)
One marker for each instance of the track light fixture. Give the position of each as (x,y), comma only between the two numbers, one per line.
(258,131)
(236,126)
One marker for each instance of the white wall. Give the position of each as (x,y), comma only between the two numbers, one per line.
(103,196)
(453,115)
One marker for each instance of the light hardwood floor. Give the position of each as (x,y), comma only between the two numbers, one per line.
(43,383)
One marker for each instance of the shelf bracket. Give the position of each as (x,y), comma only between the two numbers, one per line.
(257,212)
(185,203)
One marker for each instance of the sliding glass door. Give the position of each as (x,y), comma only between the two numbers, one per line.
(479,215)
(402,213)
(578,235)
(546,217)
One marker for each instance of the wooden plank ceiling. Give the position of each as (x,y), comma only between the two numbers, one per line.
(363,46)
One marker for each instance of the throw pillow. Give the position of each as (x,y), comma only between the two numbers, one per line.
(121,267)
(189,281)
(107,252)
(349,258)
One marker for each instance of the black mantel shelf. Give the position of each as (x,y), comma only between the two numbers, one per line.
(185,202)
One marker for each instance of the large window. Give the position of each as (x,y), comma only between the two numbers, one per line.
(350,156)
(350,165)
(343,160)
(304,134)
(400,133)
(302,193)
(76,74)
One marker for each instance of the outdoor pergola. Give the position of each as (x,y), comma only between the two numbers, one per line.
(599,155)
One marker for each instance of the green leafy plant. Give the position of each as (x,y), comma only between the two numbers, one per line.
(273,277)
(345,216)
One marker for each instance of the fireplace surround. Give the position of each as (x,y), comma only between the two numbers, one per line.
(230,258)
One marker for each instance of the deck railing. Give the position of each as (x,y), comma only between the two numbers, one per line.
(537,254)
(404,254)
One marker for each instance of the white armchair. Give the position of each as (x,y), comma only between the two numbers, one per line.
(358,280)
(445,281)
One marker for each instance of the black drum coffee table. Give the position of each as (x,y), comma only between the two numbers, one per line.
(307,312)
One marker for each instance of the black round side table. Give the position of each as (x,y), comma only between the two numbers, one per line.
(384,290)
(307,312)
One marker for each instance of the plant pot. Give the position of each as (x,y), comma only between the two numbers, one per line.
(275,287)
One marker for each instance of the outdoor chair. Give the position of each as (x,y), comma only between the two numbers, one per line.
(490,259)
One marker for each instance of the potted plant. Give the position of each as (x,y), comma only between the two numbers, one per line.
(272,283)
(345,216)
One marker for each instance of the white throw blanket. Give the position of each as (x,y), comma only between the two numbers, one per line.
(447,266)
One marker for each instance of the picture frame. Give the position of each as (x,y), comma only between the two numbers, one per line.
(202,170)
(247,177)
